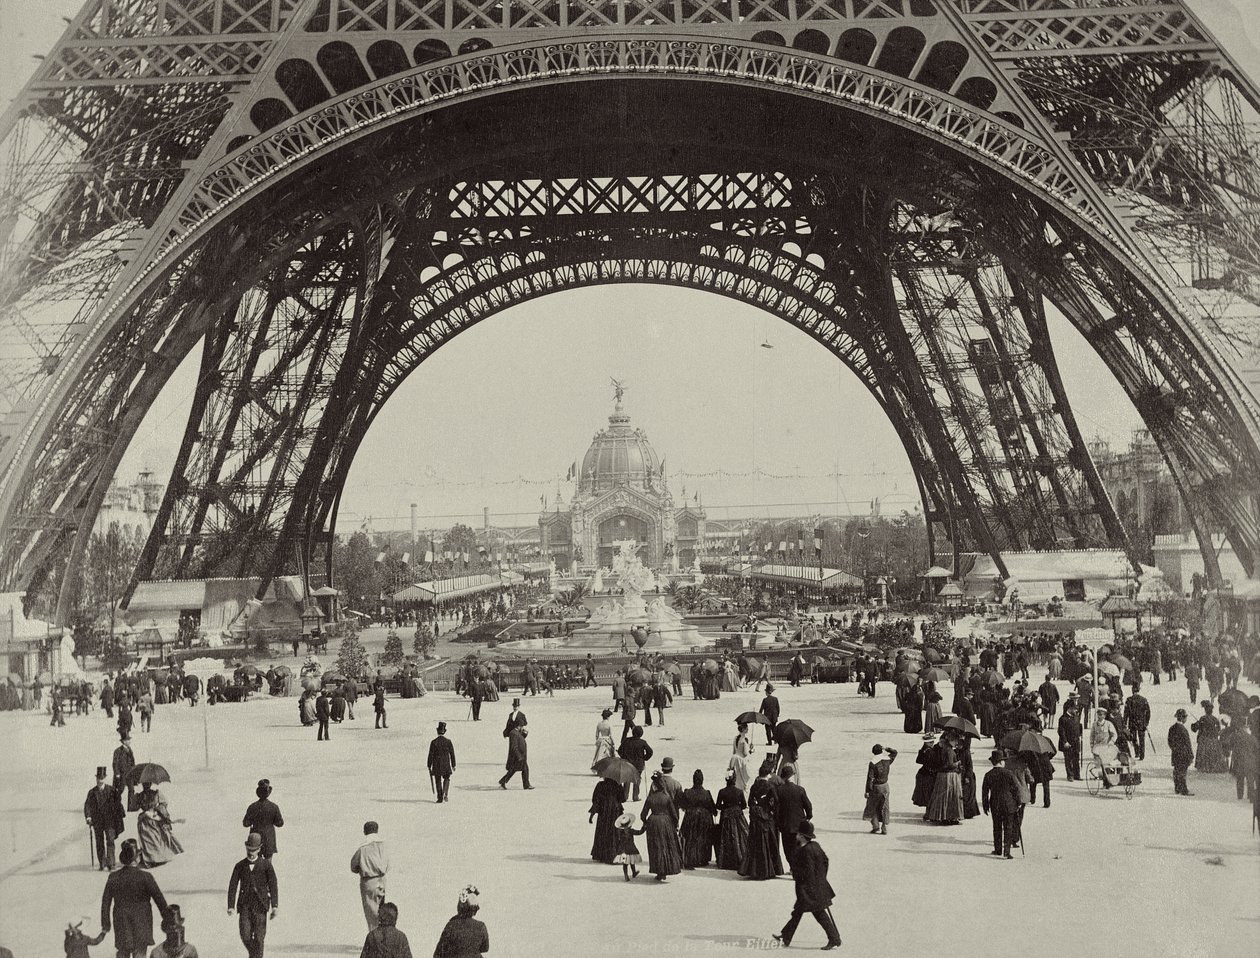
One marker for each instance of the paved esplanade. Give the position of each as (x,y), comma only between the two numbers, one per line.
(1157,876)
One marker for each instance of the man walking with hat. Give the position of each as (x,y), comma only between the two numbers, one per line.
(673,787)
(1182,752)
(174,945)
(999,795)
(124,762)
(1070,735)
(371,863)
(441,763)
(264,817)
(792,810)
(813,893)
(103,812)
(515,718)
(254,895)
(518,755)
(770,709)
(126,904)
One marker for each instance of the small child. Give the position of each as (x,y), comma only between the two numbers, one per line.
(876,811)
(76,943)
(627,851)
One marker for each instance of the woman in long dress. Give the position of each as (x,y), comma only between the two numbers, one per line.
(697,826)
(728,676)
(732,840)
(604,811)
(603,739)
(1209,756)
(925,777)
(762,860)
(912,705)
(971,808)
(945,807)
(741,749)
(660,822)
(933,712)
(158,844)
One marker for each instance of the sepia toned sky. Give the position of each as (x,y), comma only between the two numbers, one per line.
(496,417)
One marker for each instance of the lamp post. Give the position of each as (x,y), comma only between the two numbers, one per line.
(1094,639)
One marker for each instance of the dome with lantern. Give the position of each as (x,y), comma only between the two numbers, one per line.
(620,455)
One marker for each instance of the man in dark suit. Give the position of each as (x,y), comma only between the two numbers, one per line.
(477,692)
(1049,693)
(793,810)
(515,718)
(1182,752)
(104,814)
(518,756)
(999,795)
(441,763)
(323,712)
(125,904)
(1137,719)
(813,893)
(264,817)
(255,880)
(637,752)
(1070,733)
(124,762)
(770,709)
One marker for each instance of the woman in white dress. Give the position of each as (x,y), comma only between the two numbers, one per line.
(740,751)
(603,739)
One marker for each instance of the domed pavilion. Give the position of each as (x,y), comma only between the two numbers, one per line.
(622,494)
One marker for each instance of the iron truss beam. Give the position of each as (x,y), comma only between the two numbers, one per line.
(133,160)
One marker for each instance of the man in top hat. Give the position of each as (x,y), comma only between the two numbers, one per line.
(770,709)
(126,904)
(1070,735)
(813,893)
(441,763)
(124,761)
(515,718)
(792,810)
(103,812)
(252,894)
(323,714)
(999,796)
(264,817)
(518,756)
(1181,751)
(174,945)
(1137,719)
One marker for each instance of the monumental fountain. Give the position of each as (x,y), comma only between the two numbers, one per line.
(631,612)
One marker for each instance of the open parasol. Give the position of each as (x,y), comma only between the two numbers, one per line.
(333,676)
(638,676)
(1026,740)
(751,718)
(618,769)
(1121,662)
(993,677)
(1108,668)
(933,675)
(931,656)
(15,679)
(146,773)
(958,724)
(281,670)
(793,733)
(711,666)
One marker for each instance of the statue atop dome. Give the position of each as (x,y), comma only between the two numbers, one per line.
(619,390)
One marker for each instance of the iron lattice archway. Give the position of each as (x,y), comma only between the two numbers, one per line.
(939,288)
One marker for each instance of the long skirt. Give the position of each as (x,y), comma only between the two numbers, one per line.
(1210,757)
(697,837)
(914,720)
(970,808)
(158,844)
(732,840)
(931,714)
(762,860)
(924,780)
(603,749)
(664,852)
(876,809)
(946,803)
(604,848)
(743,777)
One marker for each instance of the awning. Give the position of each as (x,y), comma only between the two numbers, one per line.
(936,572)
(447,590)
(168,594)
(807,576)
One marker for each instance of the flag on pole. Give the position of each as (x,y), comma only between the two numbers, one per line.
(769,546)
(380,557)
(783,547)
(406,558)
(818,540)
(800,545)
(447,555)
(428,556)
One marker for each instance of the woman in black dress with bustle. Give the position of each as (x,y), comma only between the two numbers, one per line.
(732,840)
(660,822)
(697,826)
(912,706)
(762,860)
(464,936)
(605,807)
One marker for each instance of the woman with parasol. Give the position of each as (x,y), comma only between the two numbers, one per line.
(605,808)
(697,827)
(660,823)
(158,844)
(741,749)
(762,859)
(732,834)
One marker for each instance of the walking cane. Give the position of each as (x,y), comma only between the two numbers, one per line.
(1152,741)
(91,847)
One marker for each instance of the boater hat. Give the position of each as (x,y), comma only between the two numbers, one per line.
(624,821)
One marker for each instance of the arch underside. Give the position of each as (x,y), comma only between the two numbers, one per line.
(925,272)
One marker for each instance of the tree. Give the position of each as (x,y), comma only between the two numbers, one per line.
(354,570)
(393,654)
(460,540)
(425,644)
(352,659)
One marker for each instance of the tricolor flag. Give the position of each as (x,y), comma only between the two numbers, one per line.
(447,555)
(800,545)
(783,546)
(769,546)
(380,557)
(818,540)
(406,558)
(428,556)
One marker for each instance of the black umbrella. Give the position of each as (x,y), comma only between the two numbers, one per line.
(752,718)
(618,769)
(1026,740)
(958,724)
(146,773)
(793,733)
